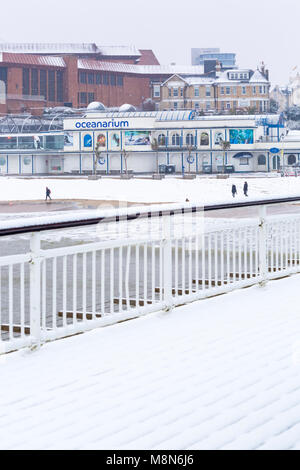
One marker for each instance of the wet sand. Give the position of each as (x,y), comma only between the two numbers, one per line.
(11,207)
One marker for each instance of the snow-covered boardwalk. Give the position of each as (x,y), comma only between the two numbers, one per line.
(222,373)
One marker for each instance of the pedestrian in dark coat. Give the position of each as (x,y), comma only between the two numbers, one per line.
(48,192)
(246,188)
(233,190)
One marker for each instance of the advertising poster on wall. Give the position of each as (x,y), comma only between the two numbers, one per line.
(68,139)
(137,138)
(241,136)
(101,140)
(115,140)
(219,137)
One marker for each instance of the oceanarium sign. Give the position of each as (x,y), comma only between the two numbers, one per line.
(101,124)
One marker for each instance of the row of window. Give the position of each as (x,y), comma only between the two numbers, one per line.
(46,83)
(91,78)
(232,90)
(239,76)
(55,142)
(190,139)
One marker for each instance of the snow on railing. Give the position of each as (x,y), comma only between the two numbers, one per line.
(142,261)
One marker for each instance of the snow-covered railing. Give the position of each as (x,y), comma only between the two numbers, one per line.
(142,261)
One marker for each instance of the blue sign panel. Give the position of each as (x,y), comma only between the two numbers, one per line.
(274,150)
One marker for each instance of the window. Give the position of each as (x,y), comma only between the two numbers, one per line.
(244,161)
(222,90)
(207,106)
(254,90)
(113,80)
(82,77)
(189,140)
(51,85)
(82,98)
(120,81)
(175,105)
(291,160)
(235,104)
(156,91)
(243,90)
(228,105)
(25,78)
(91,79)
(196,91)
(196,105)
(170,92)
(234,90)
(105,79)
(207,93)
(34,82)
(161,140)
(3,75)
(43,83)
(91,97)
(59,86)
(176,140)
(260,89)
(227,90)
(98,79)
(181,91)
(261,160)
(175,91)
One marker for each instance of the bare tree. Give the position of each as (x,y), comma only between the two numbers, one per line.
(125,156)
(189,149)
(155,148)
(225,145)
(96,157)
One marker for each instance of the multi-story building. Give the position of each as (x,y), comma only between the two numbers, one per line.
(200,56)
(36,76)
(228,91)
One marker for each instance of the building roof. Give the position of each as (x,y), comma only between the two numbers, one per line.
(148,57)
(50,48)
(199,80)
(28,59)
(258,77)
(87,64)
(70,48)
(255,77)
(119,51)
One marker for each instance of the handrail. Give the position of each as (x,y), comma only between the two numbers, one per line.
(40,224)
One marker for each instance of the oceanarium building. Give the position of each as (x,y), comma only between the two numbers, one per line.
(150,142)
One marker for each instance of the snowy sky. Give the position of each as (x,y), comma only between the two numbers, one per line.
(257,30)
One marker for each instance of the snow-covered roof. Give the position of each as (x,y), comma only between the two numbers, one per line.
(200,80)
(50,48)
(30,59)
(120,51)
(255,77)
(69,48)
(87,64)
(258,77)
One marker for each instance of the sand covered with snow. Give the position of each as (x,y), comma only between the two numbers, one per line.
(200,190)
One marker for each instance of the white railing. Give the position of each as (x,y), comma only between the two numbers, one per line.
(135,267)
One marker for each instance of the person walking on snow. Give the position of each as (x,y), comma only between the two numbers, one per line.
(246,188)
(48,192)
(233,190)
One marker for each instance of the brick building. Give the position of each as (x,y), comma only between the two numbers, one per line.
(35,76)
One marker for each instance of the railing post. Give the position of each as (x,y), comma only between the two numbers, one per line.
(167,262)
(262,246)
(35,289)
